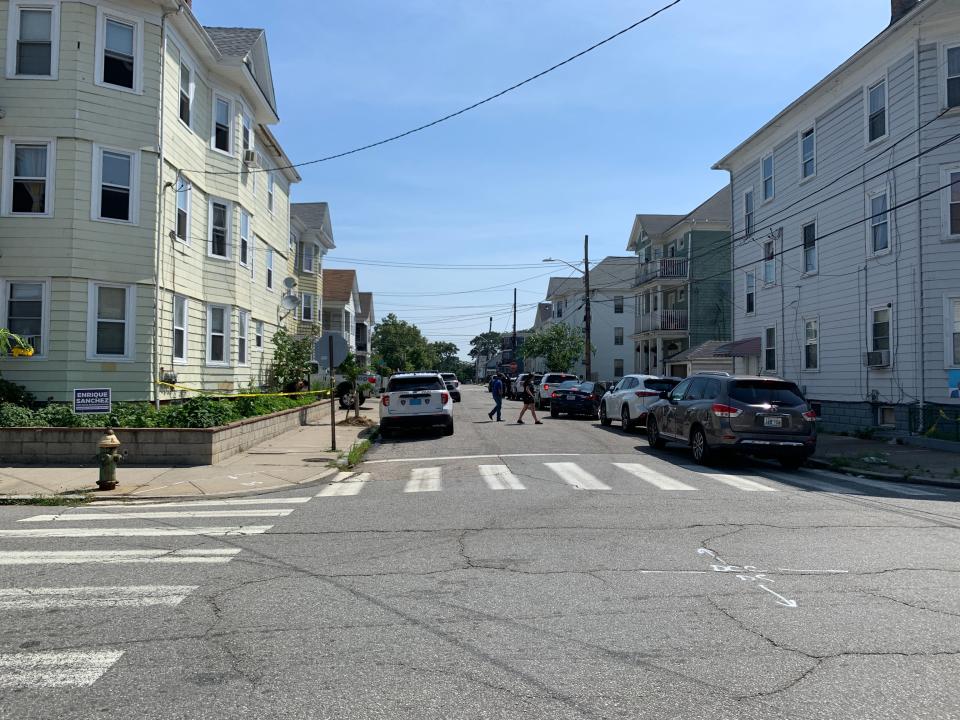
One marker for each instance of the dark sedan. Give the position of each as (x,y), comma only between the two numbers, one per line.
(576,398)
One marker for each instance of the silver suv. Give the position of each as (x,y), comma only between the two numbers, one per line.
(717,412)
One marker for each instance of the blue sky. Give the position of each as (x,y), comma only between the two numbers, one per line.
(632,127)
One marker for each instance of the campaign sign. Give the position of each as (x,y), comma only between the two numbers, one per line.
(92,400)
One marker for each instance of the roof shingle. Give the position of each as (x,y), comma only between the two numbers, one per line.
(338,284)
(234,42)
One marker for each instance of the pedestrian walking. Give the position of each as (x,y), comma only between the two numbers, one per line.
(496,389)
(528,401)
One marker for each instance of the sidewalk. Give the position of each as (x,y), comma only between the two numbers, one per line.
(298,457)
(887,460)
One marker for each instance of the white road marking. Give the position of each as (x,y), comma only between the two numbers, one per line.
(213,503)
(808,482)
(56,532)
(74,516)
(469,457)
(576,476)
(499,477)
(85,557)
(740,483)
(47,598)
(55,669)
(424,480)
(656,479)
(893,487)
(781,600)
(351,486)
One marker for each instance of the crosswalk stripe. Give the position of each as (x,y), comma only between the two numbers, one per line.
(891,487)
(57,532)
(228,502)
(350,486)
(656,479)
(499,477)
(51,598)
(809,482)
(740,483)
(424,480)
(576,476)
(55,669)
(84,557)
(158,515)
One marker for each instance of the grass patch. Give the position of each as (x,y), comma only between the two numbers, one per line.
(72,500)
(356,453)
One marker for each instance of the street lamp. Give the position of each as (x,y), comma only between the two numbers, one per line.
(586,300)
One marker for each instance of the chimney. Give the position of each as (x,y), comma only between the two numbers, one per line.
(899,8)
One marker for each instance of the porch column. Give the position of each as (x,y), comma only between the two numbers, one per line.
(660,365)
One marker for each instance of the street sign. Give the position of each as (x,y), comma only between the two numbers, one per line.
(320,349)
(92,400)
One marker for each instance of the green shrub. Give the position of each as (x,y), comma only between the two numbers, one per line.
(16,394)
(15,416)
(200,412)
(56,415)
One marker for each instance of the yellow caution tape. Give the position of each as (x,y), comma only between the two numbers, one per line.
(240,395)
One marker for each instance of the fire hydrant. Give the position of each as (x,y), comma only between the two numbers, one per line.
(109,457)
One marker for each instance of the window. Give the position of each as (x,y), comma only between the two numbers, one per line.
(294,243)
(269,258)
(559,311)
(770,349)
(221,123)
(618,304)
(877,111)
(25,313)
(271,186)
(618,336)
(953,77)
(748,213)
(118,58)
(767,172)
(258,335)
(887,416)
(879,223)
(880,329)
(244,238)
(306,307)
(951,203)
(809,232)
(751,292)
(183,191)
(243,321)
(179,329)
(618,368)
(811,348)
(110,322)
(115,175)
(247,130)
(29,167)
(33,39)
(219,229)
(218,334)
(186,91)
(808,153)
(769,262)
(953,331)
(306,257)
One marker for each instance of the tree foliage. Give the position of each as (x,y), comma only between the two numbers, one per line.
(446,355)
(400,346)
(559,345)
(352,370)
(486,344)
(291,359)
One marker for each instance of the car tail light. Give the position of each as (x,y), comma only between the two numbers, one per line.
(546,387)
(810,416)
(386,400)
(647,393)
(725,411)
(591,397)
(444,398)
(372,380)
(553,395)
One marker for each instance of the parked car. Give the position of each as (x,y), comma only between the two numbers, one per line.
(515,390)
(453,385)
(575,398)
(543,389)
(629,400)
(717,412)
(418,399)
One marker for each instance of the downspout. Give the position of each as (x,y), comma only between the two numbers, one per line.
(922,344)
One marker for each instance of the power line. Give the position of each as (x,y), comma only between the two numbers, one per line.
(438,266)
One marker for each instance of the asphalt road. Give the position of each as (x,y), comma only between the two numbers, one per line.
(552,571)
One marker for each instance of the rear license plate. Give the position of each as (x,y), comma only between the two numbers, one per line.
(773,422)
(571,397)
(414,401)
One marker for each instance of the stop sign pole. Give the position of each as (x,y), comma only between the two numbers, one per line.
(333,412)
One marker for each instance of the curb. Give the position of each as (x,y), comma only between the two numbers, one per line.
(890,477)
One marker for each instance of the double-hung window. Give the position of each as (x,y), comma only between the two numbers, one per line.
(111,322)
(811,345)
(750,299)
(953,77)
(269,262)
(953,326)
(769,262)
(222,123)
(880,329)
(306,257)
(808,153)
(28,172)
(809,232)
(618,367)
(243,322)
(271,188)
(306,307)
(119,43)
(218,334)
(246,123)
(219,240)
(25,313)
(748,213)
(115,196)
(33,39)
(618,304)
(879,223)
(180,337)
(877,111)
(184,191)
(770,349)
(244,258)
(258,335)
(766,166)
(186,91)
(951,203)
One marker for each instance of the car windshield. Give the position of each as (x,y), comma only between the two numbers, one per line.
(413,384)
(766,392)
(661,385)
(587,387)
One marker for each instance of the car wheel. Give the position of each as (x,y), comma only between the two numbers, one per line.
(653,434)
(625,421)
(448,429)
(604,419)
(554,412)
(699,447)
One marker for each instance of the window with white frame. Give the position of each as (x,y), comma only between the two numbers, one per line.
(186,91)
(271,191)
(219,240)
(877,111)
(33,39)
(184,191)
(811,344)
(115,185)
(770,349)
(269,262)
(809,233)
(118,52)
(880,329)
(750,286)
(808,153)
(618,304)
(25,313)
(951,203)
(953,326)
(618,368)
(618,336)
(222,123)
(258,335)
(769,262)
(180,337)
(953,77)
(306,307)
(879,223)
(218,334)
(306,257)
(294,243)
(29,172)
(243,322)
(110,322)
(244,258)
(748,213)
(246,122)
(767,173)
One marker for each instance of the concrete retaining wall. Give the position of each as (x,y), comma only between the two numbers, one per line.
(851,417)
(153,446)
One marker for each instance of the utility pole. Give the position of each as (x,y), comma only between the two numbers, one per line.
(491,324)
(586,306)
(514,346)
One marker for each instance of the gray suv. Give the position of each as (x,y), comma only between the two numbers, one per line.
(717,412)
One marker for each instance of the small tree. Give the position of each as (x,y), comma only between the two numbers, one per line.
(291,359)
(352,370)
(559,345)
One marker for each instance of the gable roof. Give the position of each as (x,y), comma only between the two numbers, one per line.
(366,304)
(234,41)
(338,285)
(715,209)
(613,271)
(315,217)
(564,286)
(706,351)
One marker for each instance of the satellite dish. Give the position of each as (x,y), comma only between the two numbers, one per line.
(289,302)
(289,283)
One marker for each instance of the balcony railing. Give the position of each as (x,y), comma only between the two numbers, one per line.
(662,320)
(665,268)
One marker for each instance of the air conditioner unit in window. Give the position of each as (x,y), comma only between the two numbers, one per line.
(250,158)
(876,359)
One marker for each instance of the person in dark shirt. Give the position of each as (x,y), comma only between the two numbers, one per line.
(528,402)
(496,389)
